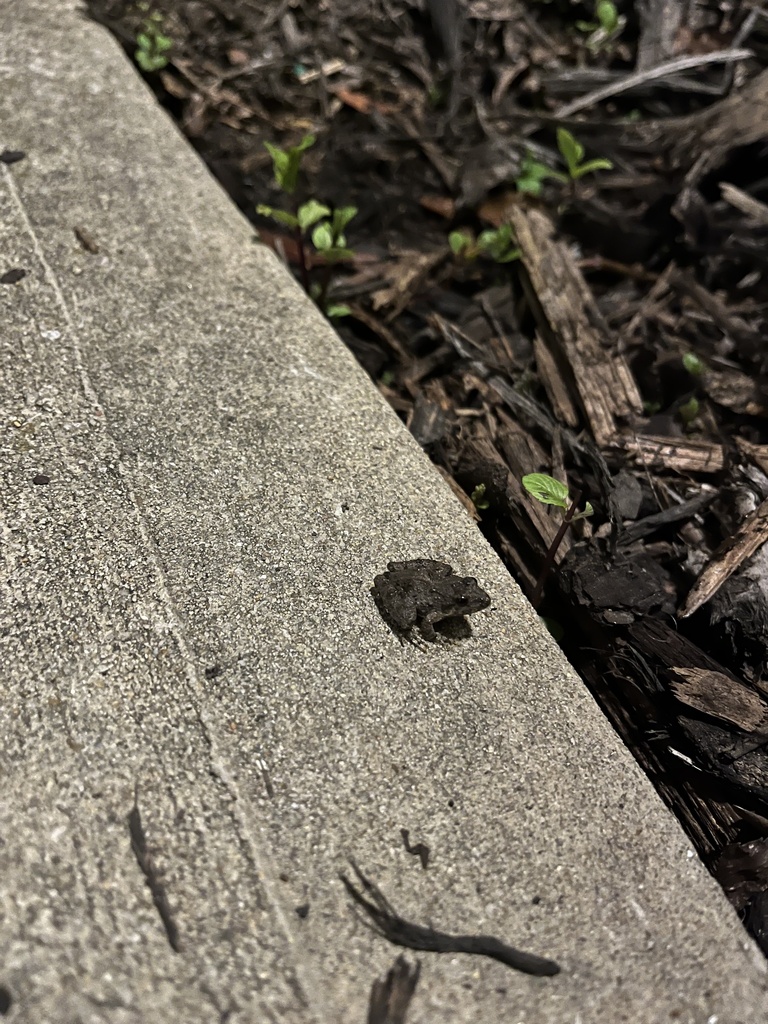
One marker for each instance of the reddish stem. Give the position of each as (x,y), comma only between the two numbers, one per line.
(549,560)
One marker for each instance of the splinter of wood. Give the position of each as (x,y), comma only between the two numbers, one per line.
(414,936)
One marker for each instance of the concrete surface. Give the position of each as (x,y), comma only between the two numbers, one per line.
(186,618)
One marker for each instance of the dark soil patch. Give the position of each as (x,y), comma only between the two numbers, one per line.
(574,360)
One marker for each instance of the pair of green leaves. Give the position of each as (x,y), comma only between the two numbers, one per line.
(327,226)
(533,173)
(151,44)
(608,26)
(497,243)
(327,235)
(549,491)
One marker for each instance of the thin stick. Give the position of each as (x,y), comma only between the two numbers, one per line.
(669,67)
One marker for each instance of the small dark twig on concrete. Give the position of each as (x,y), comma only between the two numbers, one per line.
(396,930)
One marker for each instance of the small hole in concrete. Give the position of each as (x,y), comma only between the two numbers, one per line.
(6,1000)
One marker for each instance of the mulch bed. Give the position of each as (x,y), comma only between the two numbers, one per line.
(623,352)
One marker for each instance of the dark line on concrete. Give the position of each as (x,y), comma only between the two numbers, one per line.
(157,889)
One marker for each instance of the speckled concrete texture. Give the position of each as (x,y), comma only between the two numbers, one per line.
(199,486)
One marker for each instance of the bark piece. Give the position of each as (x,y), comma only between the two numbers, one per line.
(574,329)
(750,535)
(720,696)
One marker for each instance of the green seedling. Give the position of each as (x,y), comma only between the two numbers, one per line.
(608,25)
(695,366)
(572,152)
(151,44)
(689,410)
(478,498)
(549,491)
(326,227)
(533,173)
(497,244)
(286,163)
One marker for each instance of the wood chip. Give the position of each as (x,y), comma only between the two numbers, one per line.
(751,534)
(721,696)
(573,326)
(678,454)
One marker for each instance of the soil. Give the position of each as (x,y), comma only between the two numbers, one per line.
(620,349)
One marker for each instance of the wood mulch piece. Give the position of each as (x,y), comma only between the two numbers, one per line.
(575,359)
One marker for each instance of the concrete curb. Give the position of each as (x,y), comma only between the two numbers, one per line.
(188,625)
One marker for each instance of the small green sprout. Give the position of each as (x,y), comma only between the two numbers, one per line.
(326,226)
(695,366)
(572,152)
(328,237)
(286,163)
(552,492)
(533,173)
(479,499)
(496,243)
(689,410)
(608,26)
(151,45)
(549,491)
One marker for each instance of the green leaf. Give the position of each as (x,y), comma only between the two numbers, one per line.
(336,253)
(280,164)
(531,186)
(689,410)
(163,43)
(479,499)
(546,489)
(607,15)
(588,511)
(459,242)
(149,61)
(570,148)
(336,310)
(341,217)
(322,237)
(695,366)
(533,173)
(509,256)
(306,142)
(281,216)
(143,41)
(600,164)
(310,213)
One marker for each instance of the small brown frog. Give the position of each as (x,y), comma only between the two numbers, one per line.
(422,592)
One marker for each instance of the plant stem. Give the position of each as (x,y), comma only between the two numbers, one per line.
(302,260)
(322,298)
(549,559)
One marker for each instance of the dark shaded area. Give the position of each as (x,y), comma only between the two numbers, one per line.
(623,352)
(146,862)
(391,997)
(6,1000)
(420,850)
